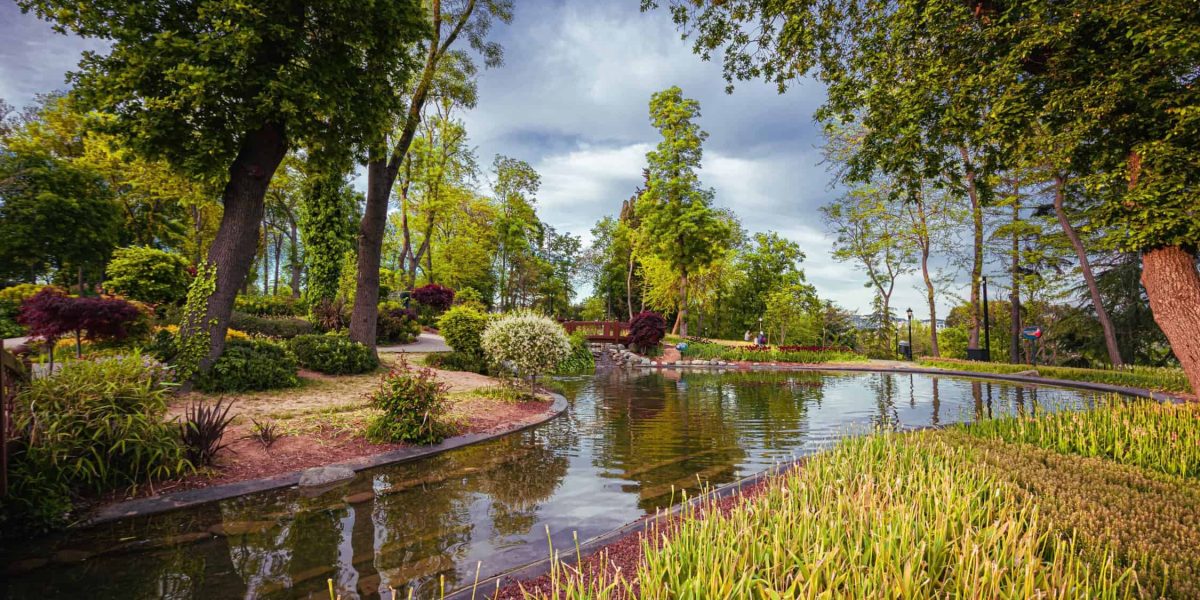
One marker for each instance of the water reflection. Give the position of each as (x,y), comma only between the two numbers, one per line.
(630,443)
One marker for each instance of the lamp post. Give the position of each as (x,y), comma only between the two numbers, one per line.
(987,330)
(909,311)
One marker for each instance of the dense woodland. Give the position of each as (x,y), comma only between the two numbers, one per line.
(984,149)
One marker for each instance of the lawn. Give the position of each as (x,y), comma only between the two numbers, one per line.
(1099,504)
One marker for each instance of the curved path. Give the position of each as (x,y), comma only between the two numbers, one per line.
(426,342)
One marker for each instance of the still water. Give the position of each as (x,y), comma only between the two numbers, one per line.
(627,443)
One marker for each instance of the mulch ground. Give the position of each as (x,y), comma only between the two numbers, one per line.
(245,458)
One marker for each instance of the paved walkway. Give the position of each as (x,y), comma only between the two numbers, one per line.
(426,342)
(11,343)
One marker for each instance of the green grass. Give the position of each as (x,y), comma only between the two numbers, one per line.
(1152,378)
(743,353)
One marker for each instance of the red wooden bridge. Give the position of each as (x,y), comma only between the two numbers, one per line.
(613,332)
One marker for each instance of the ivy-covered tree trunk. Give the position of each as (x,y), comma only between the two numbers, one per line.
(233,250)
(1014,298)
(1173,286)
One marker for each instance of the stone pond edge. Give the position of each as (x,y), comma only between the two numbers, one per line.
(189,498)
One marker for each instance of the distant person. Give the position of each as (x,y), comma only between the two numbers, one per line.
(747,336)
(762,339)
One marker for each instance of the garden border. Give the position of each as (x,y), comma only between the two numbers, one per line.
(189,498)
(595,544)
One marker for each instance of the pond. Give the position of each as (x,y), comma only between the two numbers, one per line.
(628,444)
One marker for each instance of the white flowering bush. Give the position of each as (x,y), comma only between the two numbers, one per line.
(529,343)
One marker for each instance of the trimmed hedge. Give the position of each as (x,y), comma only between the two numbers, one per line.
(275,327)
(250,365)
(333,354)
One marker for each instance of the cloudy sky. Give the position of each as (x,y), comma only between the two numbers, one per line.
(571,99)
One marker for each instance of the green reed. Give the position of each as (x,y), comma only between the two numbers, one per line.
(885,515)
(1157,436)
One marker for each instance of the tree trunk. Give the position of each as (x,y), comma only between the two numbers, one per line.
(370,248)
(1110,336)
(1014,299)
(233,249)
(266,255)
(629,285)
(1173,286)
(294,255)
(977,246)
(381,175)
(929,297)
(683,298)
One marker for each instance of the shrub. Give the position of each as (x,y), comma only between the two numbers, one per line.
(470,297)
(458,361)
(462,327)
(646,330)
(396,325)
(333,354)
(203,429)
(19,293)
(413,404)
(529,343)
(147,274)
(278,305)
(329,314)
(275,327)
(96,425)
(51,314)
(580,360)
(248,365)
(436,297)
(8,321)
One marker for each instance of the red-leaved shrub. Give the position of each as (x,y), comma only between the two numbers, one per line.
(50,314)
(647,329)
(437,297)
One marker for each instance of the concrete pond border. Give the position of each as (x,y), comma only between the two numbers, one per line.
(189,498)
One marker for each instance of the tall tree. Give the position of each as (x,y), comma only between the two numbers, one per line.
(449,20)
(868,235)
(223,89)
(1119,77)
(677,215)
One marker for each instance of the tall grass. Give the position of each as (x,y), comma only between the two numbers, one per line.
(878,516)
(1147,519)
(1152,378)
(1157,436)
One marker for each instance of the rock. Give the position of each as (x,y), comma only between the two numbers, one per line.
(645,362)
(620,346)
(323,476)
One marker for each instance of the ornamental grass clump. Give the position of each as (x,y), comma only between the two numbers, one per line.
(1157,436)
(1146,519)
(414,405)
(904,516)
(527,343)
